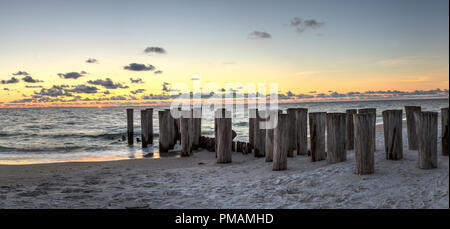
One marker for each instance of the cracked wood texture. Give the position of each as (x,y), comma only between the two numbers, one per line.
(364,152)
(411,126)
(393,137)
(426,130)
(317,125)
(336,125)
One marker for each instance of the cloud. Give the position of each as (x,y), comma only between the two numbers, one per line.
(72,75)
(158,72)
(6,89)
(33,86)
(157,50)
(138,80)
(139,67)
(54,91)
(107,83)
(83,89)
(195,78)
(10,81)
(92,61)
(106,92)
(137,91)
(30,79)
(259,35)
(166,87)
(409,60)
(302,25)
(21,73)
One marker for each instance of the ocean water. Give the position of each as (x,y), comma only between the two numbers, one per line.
(41,135)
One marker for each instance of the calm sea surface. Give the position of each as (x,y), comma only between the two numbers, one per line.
(85,134)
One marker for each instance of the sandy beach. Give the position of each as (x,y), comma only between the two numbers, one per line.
(248,182)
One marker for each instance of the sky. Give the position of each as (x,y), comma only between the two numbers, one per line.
(77,53)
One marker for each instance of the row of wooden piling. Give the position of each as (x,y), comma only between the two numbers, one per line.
(290,135)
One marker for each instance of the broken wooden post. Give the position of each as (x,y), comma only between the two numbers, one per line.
(149,113)
(292,137)
(426,131)
(336,137)
(223,136)
(364,152)
(251,128)
(130,126)
(317,123)
(144,128)
(374,131)
(411,126)
(164,131)
(302,131)
(444,131)
(350,130)
(393,138)
(185,141)
(280,142)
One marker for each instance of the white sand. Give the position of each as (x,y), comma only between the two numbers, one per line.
(246,183)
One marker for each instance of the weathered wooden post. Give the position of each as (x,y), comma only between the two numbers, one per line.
(165,140)
(269,136)
(177,127)
(223,136)
(280,142)
(374,131)
(260,135)
(393,138)
(251,128)
(364,152)
(336,137)
(149,114)
(197,127)
(317,124)
(144,128)
(302,131)
(411,126)
(130,126)
(350,130)
(292,136)
(185,138)
(444,130)
(426,131)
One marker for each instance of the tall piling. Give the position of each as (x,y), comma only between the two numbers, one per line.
(350,129)
(364,151)
(301,127)
(393,137)
(445,137)
(336,125)
(317,125)
(426,131)
(130,126)
(411,126)
(280,141)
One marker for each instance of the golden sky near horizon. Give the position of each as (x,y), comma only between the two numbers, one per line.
(302,46)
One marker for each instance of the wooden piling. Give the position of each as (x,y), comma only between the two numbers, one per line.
(280,142)
(350,130)
(165,137)
(251,128)
(364,152)
(197,127)
(260,135)
(269,138)
(444,131)
(130,126)
(223,136)
(393,137)
(411,126)
(185,134)
(336,125)
(374,131)
(302,131)
(426,131)
(292,133)
(144,128)
(149,115)
(317,125)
